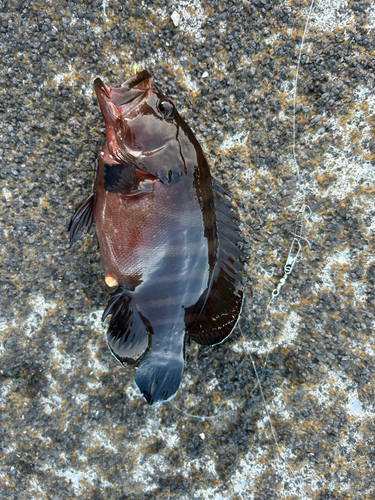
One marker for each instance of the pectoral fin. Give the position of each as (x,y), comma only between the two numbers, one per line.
(82,219)
(126,179)
(129,332)
(119,178)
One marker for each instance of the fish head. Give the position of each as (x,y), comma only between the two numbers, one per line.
(142,126)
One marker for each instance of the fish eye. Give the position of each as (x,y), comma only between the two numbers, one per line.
(166,108)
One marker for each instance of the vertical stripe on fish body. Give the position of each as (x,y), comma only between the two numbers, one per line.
(166,235)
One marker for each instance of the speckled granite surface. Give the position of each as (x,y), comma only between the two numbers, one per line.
(72,424)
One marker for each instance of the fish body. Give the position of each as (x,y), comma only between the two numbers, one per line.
(166,236)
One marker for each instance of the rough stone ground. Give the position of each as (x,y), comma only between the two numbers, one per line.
(72,424)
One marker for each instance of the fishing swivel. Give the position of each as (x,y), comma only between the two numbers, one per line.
(294,252)
(295,247)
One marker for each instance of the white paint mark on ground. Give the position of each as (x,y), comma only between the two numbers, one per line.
(212,384)
(105,9)
(4,391)
(132,393)
(175,18)
(64,75)
(7,194)
(191,17)
(360,292)
(93,362)
(61,360)
(53,401)
(370,14)
(94,321)
(147,469)
(248,175)
(338,260)
(339,387)
(358,348)
(51,404)
(190,84)
(163,57)
(248,470)
(271,39)
(153,429)
(355,408)
(104,440)
(278,404)
(346,163)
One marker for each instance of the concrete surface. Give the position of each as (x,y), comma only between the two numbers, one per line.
(72,423)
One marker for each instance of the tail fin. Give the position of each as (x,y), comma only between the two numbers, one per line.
(158,376)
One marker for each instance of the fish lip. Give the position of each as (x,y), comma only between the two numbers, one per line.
(137,79)
(129,95)
(101,88)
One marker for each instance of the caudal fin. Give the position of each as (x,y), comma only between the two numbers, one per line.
(158,376)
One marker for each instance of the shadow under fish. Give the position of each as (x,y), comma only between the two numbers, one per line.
(167,237)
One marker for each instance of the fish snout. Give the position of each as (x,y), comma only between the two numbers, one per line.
(101,88)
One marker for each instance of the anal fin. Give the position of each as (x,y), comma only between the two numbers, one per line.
(82,219)
(129,332)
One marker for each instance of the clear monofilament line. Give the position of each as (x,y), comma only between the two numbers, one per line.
(295,99)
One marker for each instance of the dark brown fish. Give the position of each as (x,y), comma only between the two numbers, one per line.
(166,236)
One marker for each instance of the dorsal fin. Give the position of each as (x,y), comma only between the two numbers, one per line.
(129,332)
(221,303)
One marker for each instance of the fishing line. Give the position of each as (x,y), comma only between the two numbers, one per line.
(298,233)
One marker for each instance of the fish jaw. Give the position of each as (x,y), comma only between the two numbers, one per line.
(116,104)
(112,119)
(131,93)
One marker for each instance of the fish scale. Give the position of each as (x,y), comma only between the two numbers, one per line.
(166,236)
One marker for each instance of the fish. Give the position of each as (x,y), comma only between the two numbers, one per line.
(167,233)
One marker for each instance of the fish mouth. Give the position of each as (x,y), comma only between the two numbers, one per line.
(136,80)
(131,93)
(117,103)
(101,88)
